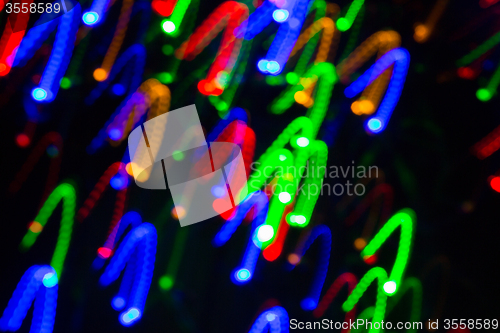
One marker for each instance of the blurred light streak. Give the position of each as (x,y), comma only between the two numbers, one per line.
(273,250)
(381,302)
(479,51)
(133,58)
(164,7)
(81,48)
(353,34)
(487,3)
(20,75)
(488,145)
(444,263)
(236,113)
(415,286)
(367,315)
(167,280)
(495,183)
(309,39)
(407,220)
(317,154)
(239,133)
(102,73)
(228,15)
(326,76)
(51,138)
(236,132)
(65,193)
(328,26)
(12,35)
(172,24)
(324,235)
(138,252)
(400,58)
(39,285)
(95,14)
(256,201)
(345,23)
(424,30)
(275,60)
(298,128)
(274,319)
(379,43)
(151,99)
(117,168)
(348,279)
(277,161)
(224,101)
(132,219)
(485,94)
(67,26)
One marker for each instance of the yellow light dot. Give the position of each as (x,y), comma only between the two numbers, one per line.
(359,244)
(301,97)
(36,227)
(366,106)
(293,259)
(178,212)
(128,168)
(100,74)
(356,109)
(421,33)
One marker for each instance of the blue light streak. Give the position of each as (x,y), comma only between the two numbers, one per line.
(38,284)
(401,59)
(137,252)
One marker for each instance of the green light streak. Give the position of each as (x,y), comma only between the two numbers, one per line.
(406,219)
(485,94)
(277,158)
(167,281)
(174,21)
(365,315)
(479,51)
(301,124)
(416,305)
(188,27)
(345,23)
(66,193)
(380,304)
(326,76)
(353,34)
(278,163)
(76,60)
(317,153)
(224,102)
(310,46)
